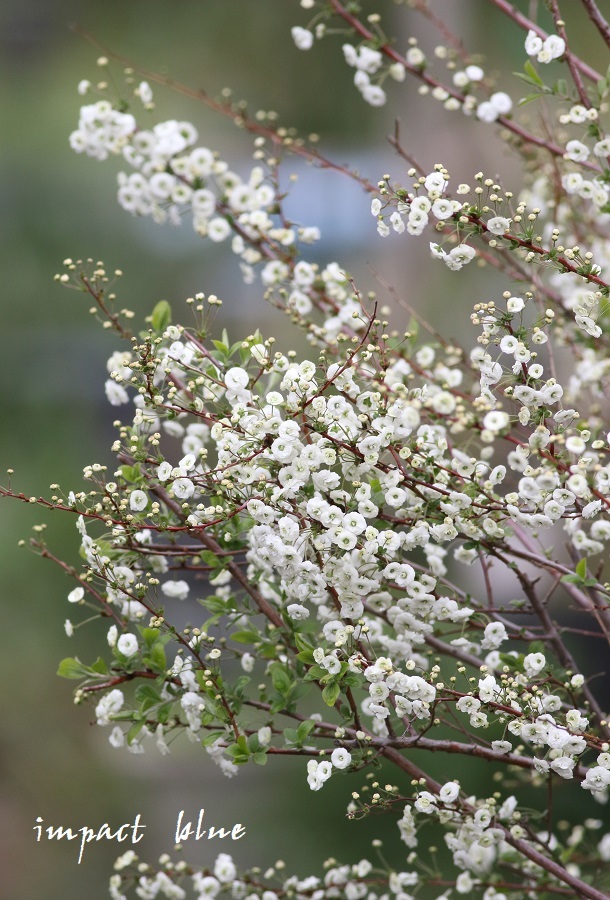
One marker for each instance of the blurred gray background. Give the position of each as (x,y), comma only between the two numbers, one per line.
(54,418)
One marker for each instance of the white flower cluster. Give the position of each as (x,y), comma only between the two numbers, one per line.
(553,47)
(367,62)
(174,176)
(102,130)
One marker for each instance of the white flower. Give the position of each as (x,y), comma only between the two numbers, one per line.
(534,663)
(426,803)
(496,420)
(495,634)
(459,256)
(115,393)
(374,95)
(76,595)
(116,739)
(552,48)
(597,779)
(603,848)
(144,92)
(487,112)
(138,501)
(297,612)
(498,225)
(415,57)
(183,488)
(449,792)
(302,37)
(564,766)
(602,148)
(218,230)
(533,44)
(474,73)
(442,208)
(236,378)
(341,758)
(110,704)
(501,746)
(164,471)
(375,206)
(127,644)
(576,151)
(514,304)
(247,662)
(177,590)
(501,102)
(224,868)
(264,735)
(488,689)
(434,182)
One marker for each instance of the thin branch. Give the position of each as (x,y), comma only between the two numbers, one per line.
(598,20)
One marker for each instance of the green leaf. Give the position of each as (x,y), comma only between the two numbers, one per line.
(158,658)
(571,579)
(245,637)
(280,678)
(291,735)
(306,656)
(161,316)
(260,758)
(130,473)
(533,75)
(304,730)
(302,643)
(134,731)
(330,693)
(315,673)
(581,568)
(72,668)
(210,559)
(210,738)
(100,666)
(528,99)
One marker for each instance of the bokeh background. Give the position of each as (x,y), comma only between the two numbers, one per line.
(54,418)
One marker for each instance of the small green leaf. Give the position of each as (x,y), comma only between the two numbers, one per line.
(581,568)
(291,735)
(571,579)
(100,666)
(72,668)
(304,730)
(528,99)
(245,637)
(134,731)
(260,758)
(280,678)
(529,70)
(147,695)
(210,559)
(161,316)
(330,693)
(302,643)
(211,738)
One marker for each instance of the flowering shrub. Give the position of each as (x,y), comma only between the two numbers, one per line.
(328,513)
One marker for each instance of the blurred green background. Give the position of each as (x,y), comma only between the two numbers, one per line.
(54,417)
